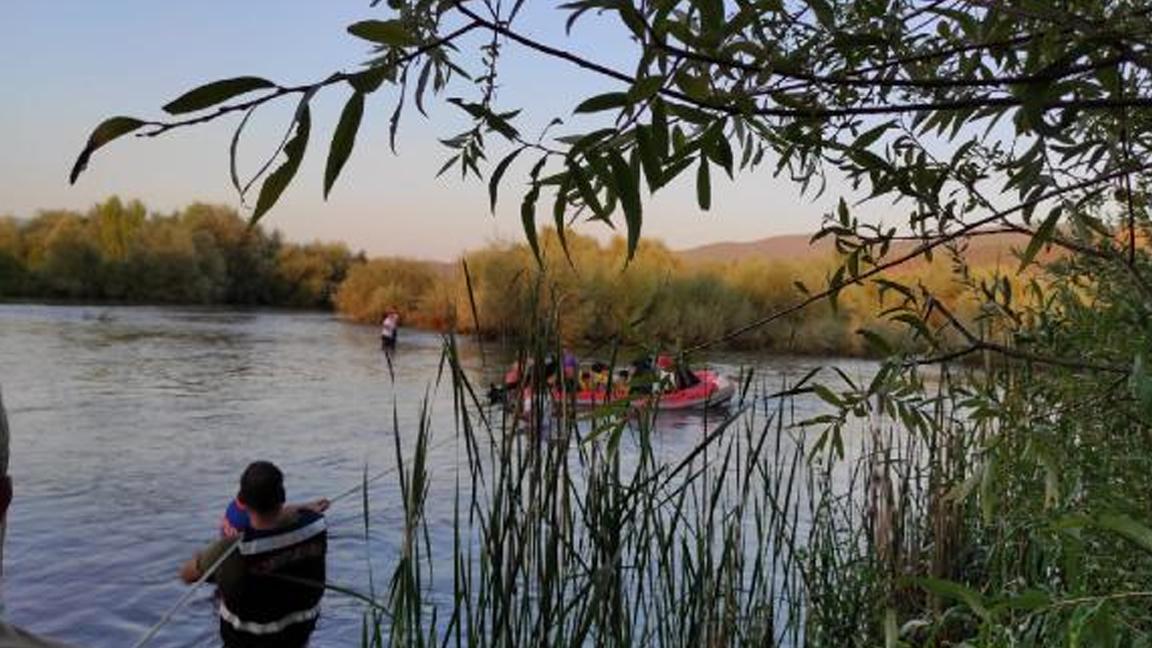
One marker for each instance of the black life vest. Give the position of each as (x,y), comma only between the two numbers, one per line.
(272,584)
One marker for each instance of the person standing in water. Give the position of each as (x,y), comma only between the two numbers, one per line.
(271,586)
(389,329)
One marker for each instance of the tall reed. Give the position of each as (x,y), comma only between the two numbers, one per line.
(575,528)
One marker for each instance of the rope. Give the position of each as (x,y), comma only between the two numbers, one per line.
(187,596)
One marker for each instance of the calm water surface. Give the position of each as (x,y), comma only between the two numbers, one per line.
(131,425)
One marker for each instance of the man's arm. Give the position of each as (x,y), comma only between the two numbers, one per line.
(316,506)
(190,571)
(193,569)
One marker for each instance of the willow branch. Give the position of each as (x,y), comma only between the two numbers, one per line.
(943,358)
(808,113)
(1007,351)
(882,82)
(964,48)
(161,127)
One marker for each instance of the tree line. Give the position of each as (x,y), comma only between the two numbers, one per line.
(119,251)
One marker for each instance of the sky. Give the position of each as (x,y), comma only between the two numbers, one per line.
(67,65)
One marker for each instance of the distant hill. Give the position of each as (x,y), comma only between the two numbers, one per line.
(788,247)
(992,249)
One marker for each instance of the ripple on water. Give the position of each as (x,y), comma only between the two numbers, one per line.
(131,426)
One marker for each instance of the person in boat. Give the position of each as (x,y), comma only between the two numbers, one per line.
(389,329)
(562,373)
(684,376)
(600,375)
(643,378)
(272,578)
(550,371)
(665,375)
(587,383)
(571,365)
(623,384)
(516,378)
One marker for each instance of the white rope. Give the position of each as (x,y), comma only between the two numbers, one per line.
(187,596)
(384,473)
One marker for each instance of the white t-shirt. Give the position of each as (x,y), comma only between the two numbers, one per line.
(388,329)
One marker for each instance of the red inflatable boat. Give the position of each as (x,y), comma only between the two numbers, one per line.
(709,389)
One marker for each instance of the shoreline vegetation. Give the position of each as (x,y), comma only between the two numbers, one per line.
(121,252)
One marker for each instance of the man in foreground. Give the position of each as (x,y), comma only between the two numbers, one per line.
(271,583)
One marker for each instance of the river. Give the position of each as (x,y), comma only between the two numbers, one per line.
(130,426)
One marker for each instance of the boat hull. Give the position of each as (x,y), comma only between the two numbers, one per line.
(712,390)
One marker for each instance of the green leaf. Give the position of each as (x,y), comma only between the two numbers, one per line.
(1042,236)
(1129,529)
(368,81)
(875,341)
(827,395)
(711,13)
(649,158)
(210,94)
(528,210)
(988,483)
(628,188)
(587,193)
(891,630)
(603,102)
(645,88)
(915,323)
(719,150)
(498,173)
(956,591)
(233,152)
(660,127)
(703,185)
(343,139)
(1092,223)
(1140,384)
(279,179)
(528,220)
(1028,600)
(384,32)
(868,137)
(961,491)
(823,12)
(108,130)
(559,208)
(676,168)
(697,87)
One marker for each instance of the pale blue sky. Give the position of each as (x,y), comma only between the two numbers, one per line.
(66,65)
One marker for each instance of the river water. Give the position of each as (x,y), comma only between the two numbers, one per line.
(130,426)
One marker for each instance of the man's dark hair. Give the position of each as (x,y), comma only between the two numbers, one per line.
(262,487)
